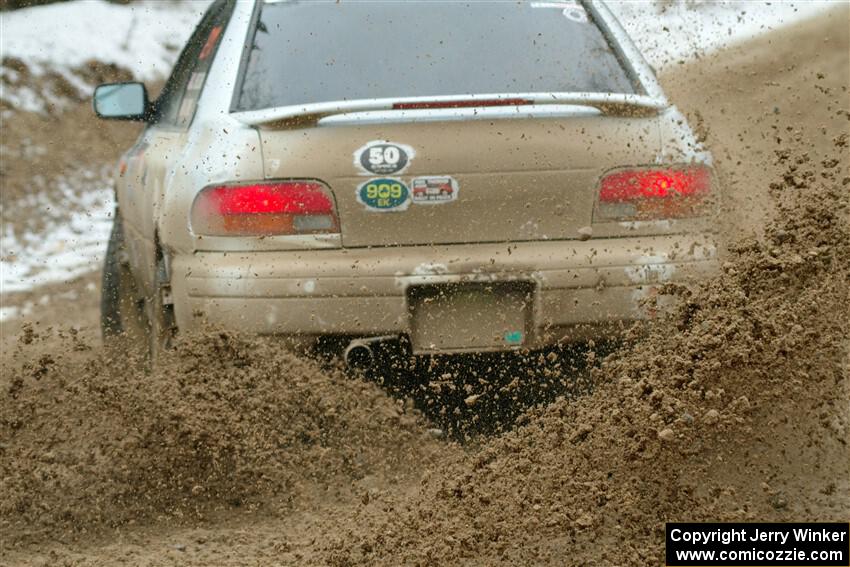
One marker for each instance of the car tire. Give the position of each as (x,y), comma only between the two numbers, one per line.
(132,324)
(122,318)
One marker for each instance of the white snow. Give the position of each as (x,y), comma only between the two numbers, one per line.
(71,246)
(669,32)
(144,38)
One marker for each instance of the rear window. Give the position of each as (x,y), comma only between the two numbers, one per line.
(310,52)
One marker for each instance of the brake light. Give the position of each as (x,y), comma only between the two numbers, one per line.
(470,103)
(647,194)
(265,209)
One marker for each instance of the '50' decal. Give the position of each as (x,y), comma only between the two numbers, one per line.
(383,158)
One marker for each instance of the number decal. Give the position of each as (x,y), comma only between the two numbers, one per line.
(383,158)
(384,195)
(376,156)
(392,154)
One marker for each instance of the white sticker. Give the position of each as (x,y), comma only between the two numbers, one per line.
(187,110)
(576,14)
(434,190)
(196,82)
(382,157)
(571,10)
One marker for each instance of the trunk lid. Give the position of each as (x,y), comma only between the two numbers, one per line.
(461,181)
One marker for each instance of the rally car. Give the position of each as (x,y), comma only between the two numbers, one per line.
(513,179)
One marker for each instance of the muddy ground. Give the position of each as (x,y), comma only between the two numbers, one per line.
(736,407)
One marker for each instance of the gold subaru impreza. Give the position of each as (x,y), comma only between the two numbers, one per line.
(464,177)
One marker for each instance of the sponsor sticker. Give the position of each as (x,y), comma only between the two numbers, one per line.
(434,190)
(383,158)
(384,195)
(196,81)
(210,44)
(576,14)
(571,10)
(187,110)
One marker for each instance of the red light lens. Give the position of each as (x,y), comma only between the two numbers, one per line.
(298,198)
(264,209)
(636,194)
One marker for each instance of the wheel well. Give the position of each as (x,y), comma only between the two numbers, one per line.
(162,278)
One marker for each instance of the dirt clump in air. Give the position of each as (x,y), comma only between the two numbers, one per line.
(732,409)
(229,425)
(753,98)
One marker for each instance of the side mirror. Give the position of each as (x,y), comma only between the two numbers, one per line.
(122,101)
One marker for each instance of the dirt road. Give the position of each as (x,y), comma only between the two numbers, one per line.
(736,408)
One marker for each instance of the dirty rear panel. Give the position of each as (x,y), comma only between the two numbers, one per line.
(501,180)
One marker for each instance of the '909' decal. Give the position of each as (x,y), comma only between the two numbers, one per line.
(383,158)
(384,194)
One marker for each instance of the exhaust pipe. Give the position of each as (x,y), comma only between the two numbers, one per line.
(359,353)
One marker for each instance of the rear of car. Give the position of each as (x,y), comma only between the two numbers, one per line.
(473,176)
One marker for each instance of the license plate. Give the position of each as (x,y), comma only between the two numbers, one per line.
(470,317)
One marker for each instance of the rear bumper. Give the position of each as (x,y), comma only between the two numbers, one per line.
(581,289)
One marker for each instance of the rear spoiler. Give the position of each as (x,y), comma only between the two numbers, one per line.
(610,104)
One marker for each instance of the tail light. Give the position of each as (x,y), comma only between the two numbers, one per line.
(265,209)
(465,103)
(649,194)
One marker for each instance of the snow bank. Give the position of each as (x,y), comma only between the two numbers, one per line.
(669,32)
(70,246)
(144,38)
